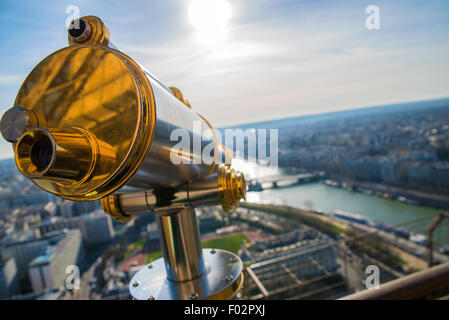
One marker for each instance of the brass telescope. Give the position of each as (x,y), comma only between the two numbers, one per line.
(90,123)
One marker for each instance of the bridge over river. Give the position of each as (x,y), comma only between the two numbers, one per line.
(274,182)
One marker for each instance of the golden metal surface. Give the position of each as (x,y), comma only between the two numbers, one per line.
(60,155)
(232,187)
(94,32)
(227,187)
(113,99)
(111,207)
(103,92)
(178,94)
(230,292)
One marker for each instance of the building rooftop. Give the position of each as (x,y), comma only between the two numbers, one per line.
(42,259)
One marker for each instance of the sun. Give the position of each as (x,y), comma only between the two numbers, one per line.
(210,18)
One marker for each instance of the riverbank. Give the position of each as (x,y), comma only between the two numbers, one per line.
(319,196)
(321,223)
(405,195)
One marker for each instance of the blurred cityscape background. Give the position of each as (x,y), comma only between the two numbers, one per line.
(354,188)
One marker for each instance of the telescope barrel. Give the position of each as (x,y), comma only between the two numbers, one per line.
(147,132)
(90,123)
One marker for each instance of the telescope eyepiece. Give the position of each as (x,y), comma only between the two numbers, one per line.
(65,155)
(88,30)
(42,153)
(77,28)
(34,153)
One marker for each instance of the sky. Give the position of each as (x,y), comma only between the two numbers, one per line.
(241,61)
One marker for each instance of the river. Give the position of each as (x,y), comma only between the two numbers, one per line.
(329,199)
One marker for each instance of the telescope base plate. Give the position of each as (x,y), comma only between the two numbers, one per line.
(222,279)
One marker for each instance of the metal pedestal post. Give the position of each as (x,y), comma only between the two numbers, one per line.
(186,271)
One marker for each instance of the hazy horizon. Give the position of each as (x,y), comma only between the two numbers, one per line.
(393,104)
(296,116)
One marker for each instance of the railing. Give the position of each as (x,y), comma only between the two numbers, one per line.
(418,285)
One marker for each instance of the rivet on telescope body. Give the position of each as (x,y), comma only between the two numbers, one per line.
(178,94)
(15,122)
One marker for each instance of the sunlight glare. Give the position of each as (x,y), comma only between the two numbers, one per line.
(209,18)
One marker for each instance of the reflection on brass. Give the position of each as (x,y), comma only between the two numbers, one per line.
(226,188)
(96,89)
(62,155)
(91,30)
(187,103)
(103,95)
(178,94)
(103,91)
(232,186)
(68,156)
(16,121)
(229,292)
(111,207)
